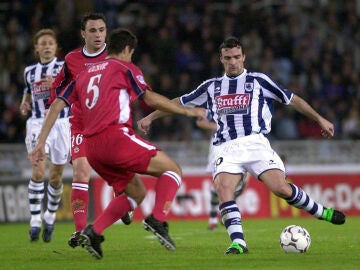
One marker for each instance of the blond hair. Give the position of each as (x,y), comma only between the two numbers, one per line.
(40,33)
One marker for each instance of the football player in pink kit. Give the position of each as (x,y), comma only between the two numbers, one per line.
(93,31)
(104,93)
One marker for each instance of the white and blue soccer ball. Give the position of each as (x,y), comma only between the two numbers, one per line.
(295,239)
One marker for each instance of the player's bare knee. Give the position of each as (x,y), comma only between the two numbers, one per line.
(172,166)
(136,191)
(225,190)
(82,175)
(178,170)
(140,196)
(38,175)
(283,191)
(55,177)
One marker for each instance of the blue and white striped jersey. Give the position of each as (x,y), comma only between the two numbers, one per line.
(40,94)
(240,106)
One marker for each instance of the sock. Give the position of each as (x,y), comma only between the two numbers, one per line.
(214,204)
(53,202)
(301,200)
(166,188)
(232,220)
(79,204)
(116,209)
(36,195)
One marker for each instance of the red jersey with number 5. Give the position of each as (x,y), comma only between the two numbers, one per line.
(75,62)
(104,93)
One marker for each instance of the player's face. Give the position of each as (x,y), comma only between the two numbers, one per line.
(94,35)
(46,47)
(233,61)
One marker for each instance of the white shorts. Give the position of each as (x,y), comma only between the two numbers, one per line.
(58,142)
(251,154)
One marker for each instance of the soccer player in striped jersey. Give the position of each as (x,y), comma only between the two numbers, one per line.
(241,103)
(93,31)
(38,80)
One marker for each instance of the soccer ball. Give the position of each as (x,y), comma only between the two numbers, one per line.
(295,239)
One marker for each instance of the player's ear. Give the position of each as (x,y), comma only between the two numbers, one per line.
(82,32)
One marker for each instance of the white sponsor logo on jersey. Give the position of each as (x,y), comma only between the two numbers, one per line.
(233,103)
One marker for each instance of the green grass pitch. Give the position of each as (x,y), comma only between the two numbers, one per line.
(131,247)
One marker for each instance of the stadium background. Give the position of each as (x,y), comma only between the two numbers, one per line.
(312,47)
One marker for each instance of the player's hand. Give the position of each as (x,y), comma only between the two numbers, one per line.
(327,128)
(25,107)
(144,125)
(200,113)
(37,154)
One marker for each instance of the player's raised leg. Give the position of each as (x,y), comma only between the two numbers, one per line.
(297,197)
(166,187)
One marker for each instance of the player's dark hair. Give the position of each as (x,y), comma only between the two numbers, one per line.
(93,17)
(231,42)
(119,39)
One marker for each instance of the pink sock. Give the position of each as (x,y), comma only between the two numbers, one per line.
(116,209)
(79,204)
(166,187)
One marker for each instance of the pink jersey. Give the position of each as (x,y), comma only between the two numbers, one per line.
(75,62)
(104,93)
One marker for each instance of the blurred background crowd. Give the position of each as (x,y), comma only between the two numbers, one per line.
(311,47)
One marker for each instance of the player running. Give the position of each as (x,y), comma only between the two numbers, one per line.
(93,31)
(38,79)
(104,93)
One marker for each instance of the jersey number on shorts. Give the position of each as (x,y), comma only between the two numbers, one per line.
(76,140)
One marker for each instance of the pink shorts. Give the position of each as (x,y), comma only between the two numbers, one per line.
(117,154)
(78,142)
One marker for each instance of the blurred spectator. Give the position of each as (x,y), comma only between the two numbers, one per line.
(149,69)
(166,86)
(188,60)
(285,126)
(253,47)
(351,124)
(312,48)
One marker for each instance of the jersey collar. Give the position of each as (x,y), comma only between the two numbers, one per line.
(237,77)
(93,54)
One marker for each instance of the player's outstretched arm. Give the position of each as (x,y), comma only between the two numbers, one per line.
(299,104)
(164,108)
(38,153)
